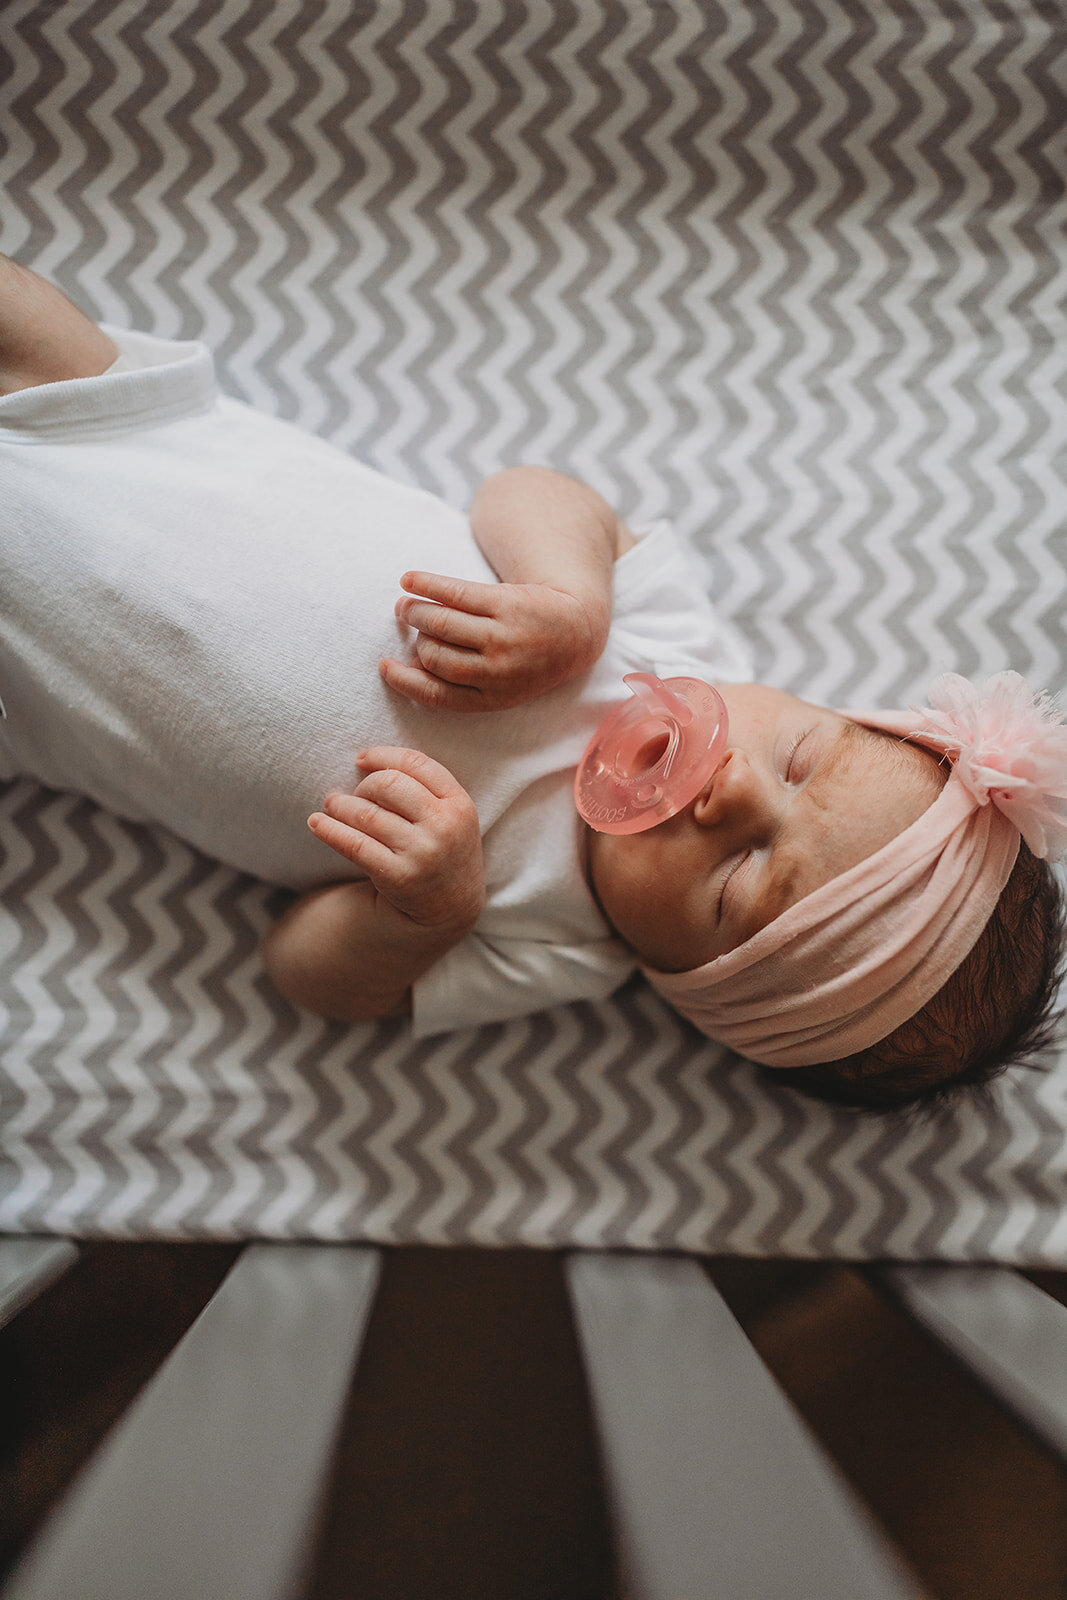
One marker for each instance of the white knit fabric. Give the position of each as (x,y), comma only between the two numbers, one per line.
(196,598)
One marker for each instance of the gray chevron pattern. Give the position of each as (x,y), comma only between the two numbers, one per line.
(792,272)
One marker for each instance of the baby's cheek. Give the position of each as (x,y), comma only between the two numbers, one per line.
(666,926)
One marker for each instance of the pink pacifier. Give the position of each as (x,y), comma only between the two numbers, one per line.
(652,754)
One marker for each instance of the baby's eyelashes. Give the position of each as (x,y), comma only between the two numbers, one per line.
(738,863)
(793,767)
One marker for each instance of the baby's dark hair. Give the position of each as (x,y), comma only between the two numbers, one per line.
(998,1009)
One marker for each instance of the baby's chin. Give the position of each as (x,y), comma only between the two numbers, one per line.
(589,851)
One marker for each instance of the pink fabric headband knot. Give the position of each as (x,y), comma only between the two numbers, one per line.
(850,962)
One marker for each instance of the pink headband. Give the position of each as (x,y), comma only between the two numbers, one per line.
(851,961)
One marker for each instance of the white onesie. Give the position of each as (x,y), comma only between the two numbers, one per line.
(195,598)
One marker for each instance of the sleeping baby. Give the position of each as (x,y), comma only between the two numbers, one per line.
(216,622)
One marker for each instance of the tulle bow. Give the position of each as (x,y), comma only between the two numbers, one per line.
(1010,747)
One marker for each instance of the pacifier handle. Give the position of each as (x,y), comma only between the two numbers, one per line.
(651,755)
(658,699)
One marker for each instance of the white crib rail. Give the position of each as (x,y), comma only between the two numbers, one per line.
(211,1483)
(1009,1333)
(27,1267)
(209,1486)
(718,1487)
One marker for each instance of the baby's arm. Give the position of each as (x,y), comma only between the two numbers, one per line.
(553,542)
(351,951)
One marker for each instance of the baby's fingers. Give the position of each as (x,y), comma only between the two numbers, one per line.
(423,768)
(382,808)
(462,594)
(460,628)
(415,683)
(370,855)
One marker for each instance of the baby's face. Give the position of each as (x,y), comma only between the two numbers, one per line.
(802,795)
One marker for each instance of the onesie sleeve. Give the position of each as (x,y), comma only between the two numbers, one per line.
(482,980)
(663,614)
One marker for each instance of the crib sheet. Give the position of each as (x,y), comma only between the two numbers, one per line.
(792,272)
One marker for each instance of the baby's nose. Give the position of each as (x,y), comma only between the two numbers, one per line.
(734,769)
(734,789)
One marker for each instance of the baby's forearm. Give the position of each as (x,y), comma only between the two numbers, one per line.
(534,525)
(342,952)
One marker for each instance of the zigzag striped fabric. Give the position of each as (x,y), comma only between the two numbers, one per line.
(792,272)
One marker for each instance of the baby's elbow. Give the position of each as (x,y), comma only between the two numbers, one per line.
(298,976)
(289,971)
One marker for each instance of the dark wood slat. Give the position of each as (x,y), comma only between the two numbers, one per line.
(467,1467)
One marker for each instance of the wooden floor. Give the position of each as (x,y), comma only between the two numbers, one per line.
(467,1468)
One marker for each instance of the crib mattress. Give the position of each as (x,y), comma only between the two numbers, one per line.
(792,273)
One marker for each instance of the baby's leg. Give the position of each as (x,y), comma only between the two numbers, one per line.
(43,336)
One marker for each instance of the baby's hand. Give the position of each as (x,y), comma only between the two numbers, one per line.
(414,831)
(488,646)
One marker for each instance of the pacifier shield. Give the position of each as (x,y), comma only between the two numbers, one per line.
(651,755)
